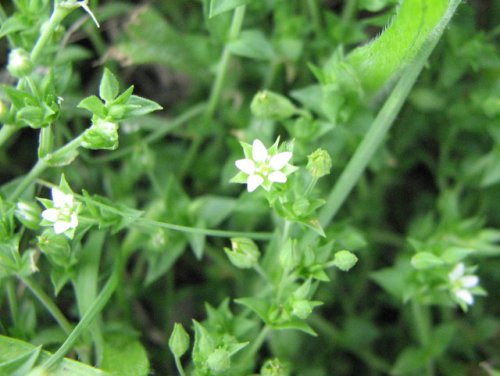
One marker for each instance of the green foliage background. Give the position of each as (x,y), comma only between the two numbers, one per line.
(433,186)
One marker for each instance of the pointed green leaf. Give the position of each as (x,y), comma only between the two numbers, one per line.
(109,87)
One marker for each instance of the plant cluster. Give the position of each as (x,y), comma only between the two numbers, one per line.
(284,187)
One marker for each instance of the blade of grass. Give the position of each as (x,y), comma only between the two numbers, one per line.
(381,125)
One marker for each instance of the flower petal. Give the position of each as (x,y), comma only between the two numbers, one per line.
(457,272)
(61,199)
(259,151)
(61,226)
(465,296)
(280,160)
(246,165)
(469,281)
(73,221)
(50,215)
(253,182)
(277,177)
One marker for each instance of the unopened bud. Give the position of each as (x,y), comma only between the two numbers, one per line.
(101,135)
(244,253)
(28,214)
(275,367)
(20,64)
(345,260)
(179,341)
(269,105)
(319,163)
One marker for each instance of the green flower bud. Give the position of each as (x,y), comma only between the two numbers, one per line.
(19,64)
(101,135)
(179,341)
(244,253)
(56,248)
(319,163)
(344,260)
(219,360)
(275,367)
(28,214)
(269,105)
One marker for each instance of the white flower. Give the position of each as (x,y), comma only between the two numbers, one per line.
(63,215)
(264,168)
(461,284)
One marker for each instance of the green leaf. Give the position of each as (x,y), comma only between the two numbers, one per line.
(375,63)
(20,365)
(11,348)
(213,210)
(203,346)
(160,263)
(94,105)
(252,44)
(394,280)
(138,106)
(109,87)
(426,260)
(221,6)
(124,97)
(410,360)
(295,325)
(257,305)
(124,355)
(62,159)
(11,25)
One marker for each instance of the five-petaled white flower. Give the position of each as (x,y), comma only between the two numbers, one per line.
(63,215)
(461,284)
(264,167)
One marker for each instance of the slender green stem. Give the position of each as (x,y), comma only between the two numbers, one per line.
(256,345)
(45,141)
(88,318)
(48,29)
(6,132)
(42,164)
(380,127)
(148,223)
(179,366)
(34,173)
(237,22)
(48,303)
(311,185)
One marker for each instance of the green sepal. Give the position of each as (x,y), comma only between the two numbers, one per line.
(109,86)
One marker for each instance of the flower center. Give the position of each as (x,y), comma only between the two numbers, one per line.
(263,168)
